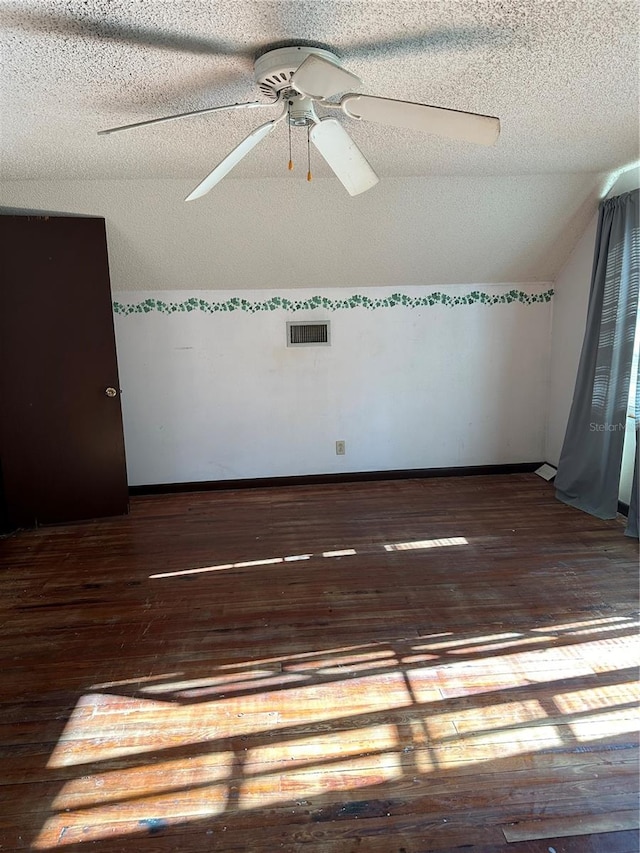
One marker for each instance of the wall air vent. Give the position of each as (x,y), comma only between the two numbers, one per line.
(313,334)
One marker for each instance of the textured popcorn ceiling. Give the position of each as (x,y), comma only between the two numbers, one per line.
(561,74)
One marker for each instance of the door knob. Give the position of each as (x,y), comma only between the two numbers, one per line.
(110,392)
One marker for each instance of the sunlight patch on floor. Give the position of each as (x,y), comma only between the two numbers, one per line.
(345,552)
(367,715)
(294,784)
(177,774)
(105,685)
(477,721)
(586,624)
(336,664)
(321,748)
(136,815)
(248,564)
(225,679)
(507,643)
(200,688)
(462,643)
(339,552)
(593,726)
(606,696)
(426,543)
(106,726)
(103,727)
(488,746)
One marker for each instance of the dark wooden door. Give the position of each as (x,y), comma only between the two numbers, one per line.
(61,438)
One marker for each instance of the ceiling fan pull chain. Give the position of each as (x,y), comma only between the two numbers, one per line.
(309,176)
(290,157)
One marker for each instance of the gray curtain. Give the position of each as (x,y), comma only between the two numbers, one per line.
(633,523)
(589,469)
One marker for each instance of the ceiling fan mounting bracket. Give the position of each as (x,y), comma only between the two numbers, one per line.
(274,69)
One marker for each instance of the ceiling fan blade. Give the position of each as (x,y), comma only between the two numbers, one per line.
(472,127)
(443,39)
(343,155)
(232,159)
(107,28)
(247,105)
(319,78)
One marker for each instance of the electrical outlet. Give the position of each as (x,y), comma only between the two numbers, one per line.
(340,448)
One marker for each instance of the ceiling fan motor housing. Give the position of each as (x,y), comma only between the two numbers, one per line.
(273,70)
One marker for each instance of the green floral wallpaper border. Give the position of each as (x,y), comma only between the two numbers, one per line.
(356,301)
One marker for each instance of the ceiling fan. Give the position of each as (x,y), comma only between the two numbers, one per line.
(300,78)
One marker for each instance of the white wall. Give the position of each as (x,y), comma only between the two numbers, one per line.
(219,396)
(570,303)
(272,233)
(210,396)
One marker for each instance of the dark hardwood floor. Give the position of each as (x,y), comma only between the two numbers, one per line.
(385,667)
